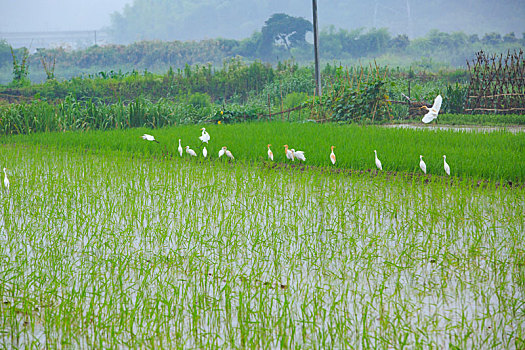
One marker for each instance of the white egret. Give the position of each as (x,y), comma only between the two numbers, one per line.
(190,151)
(204,152)
(434,111)
(378,162)
(6,181)
(299,155)
(422,164)
(226,151)
(180,149)
(229,154)
(205,137)
(270,153)
(149,138)
(445,165)
(332,155)
(289,153)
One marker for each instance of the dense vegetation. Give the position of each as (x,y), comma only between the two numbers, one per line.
(238,92)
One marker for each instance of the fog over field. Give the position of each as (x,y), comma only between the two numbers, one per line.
(236,19)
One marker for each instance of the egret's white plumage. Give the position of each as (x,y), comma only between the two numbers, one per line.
(229,154)
(332,155)
(378,162)
(6,180)
(434,111)
(190,151)
(205,137)
(180,149)
(289,153)
(299,155)
(148,137)
(445,165)
(204,152)
(270,153)
(226,151)
(422,164)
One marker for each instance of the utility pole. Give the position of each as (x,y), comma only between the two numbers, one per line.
(316,51)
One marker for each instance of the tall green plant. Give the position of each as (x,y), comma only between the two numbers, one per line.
(20,69)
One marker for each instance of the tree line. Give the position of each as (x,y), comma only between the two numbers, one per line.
(281,38)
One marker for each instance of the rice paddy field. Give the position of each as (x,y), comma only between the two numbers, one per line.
(110,241)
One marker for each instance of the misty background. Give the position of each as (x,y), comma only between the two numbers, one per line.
(64,39)
(128,21)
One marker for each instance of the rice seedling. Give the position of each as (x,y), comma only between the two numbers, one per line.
(498,155)
(100,248)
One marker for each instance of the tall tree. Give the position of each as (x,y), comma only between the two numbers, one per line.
(282,29)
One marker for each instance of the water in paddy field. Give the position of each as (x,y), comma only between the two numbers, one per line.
(98,252)
(482,129)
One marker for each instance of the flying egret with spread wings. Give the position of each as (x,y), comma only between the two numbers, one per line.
(434,111)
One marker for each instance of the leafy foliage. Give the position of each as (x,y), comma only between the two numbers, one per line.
(357,97)
(20,69)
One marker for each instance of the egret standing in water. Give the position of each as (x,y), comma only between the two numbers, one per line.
(434,111)
(205,137)
(6,181)
(378,162)
(332,155)
(190,151)
(445,165)
(289,153)
(270,153)
(149,138)
(422,164)
(180,149)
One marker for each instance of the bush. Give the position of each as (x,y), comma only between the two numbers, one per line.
(199,100)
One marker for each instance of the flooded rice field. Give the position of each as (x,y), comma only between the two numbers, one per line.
(105,251)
